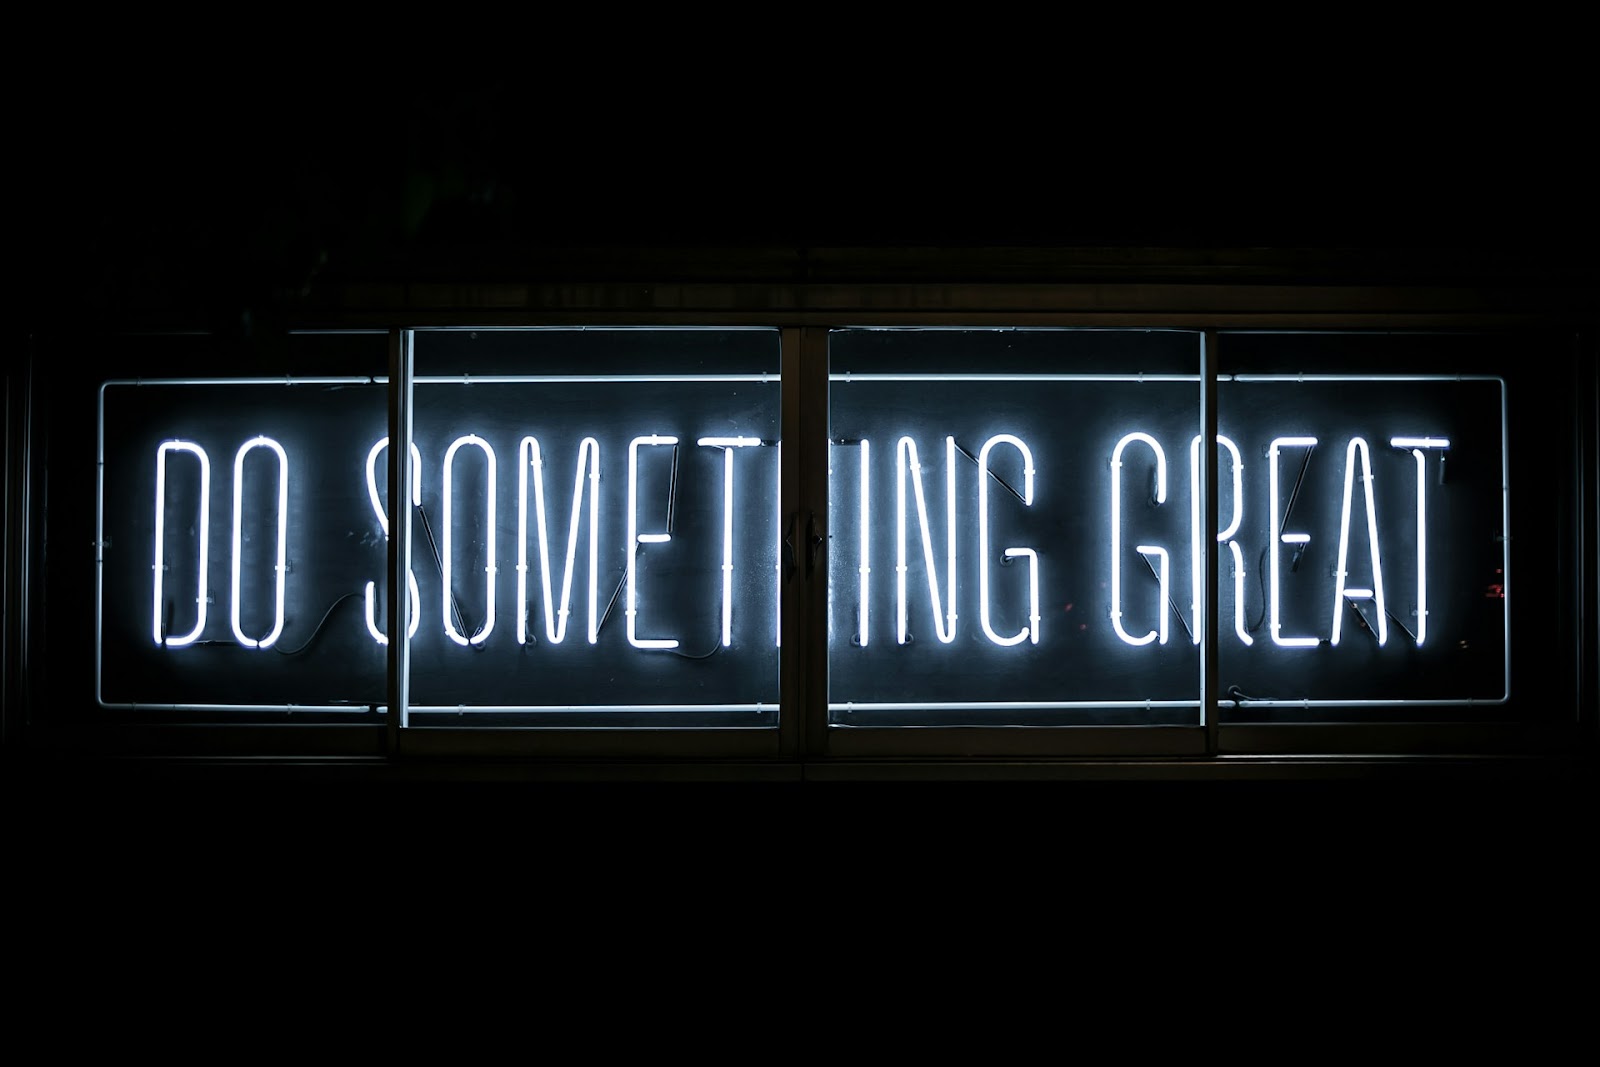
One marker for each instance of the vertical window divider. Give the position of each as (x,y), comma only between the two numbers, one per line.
(1208,539)
(399,546)
(810,521)
(792,608)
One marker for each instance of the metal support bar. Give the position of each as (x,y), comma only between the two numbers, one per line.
(1207,621)
(812,449)
(399,557)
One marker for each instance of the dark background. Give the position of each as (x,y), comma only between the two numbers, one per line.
(229,200)
(237,199)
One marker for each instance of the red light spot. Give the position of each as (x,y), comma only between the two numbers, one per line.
(1082,626)
(1068,607)
(1494,592)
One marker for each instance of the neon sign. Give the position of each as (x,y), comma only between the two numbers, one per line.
(1052,544)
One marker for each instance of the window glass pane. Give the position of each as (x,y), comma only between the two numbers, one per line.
(596,540)
(1367,572)
(238,550)
(1010,515)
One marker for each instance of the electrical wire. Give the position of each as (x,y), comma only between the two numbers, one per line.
(1261,583)
(438,563)
(992,474)
(613,603)
(1171,604)
(323,622)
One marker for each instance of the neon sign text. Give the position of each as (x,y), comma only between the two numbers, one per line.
(1137,467)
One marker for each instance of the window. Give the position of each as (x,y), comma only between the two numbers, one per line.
(1369,563)
(597,542)
(1009,513)
(981,541)
(236,549)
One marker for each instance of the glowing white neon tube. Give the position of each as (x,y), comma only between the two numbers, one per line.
(777,555)
(1416,445)
(1161,581)
(727,444)
(1116,536)
(160,567)
(372,481)
(489,524)
(1359,445)
(372,611)
(1277,537)
(383,521)
(635,539)
(1194,525)
(283,537)
(555,619)
(1031,631)
(907,456)
(1238,594)
(866,511)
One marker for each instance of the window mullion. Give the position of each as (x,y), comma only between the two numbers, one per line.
(399,554)
(1208,540)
